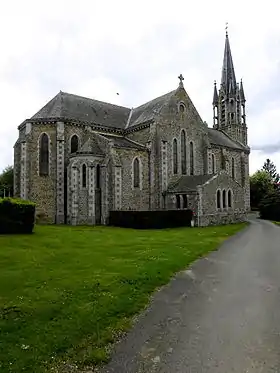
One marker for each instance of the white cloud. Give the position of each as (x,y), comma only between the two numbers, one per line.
(138,49)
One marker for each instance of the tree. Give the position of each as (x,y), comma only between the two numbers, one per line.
(269,206)
(7,181)
(261,184)
(270,168)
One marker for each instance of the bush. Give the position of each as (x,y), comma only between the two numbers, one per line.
(151,219)
(16,216)
(270,206)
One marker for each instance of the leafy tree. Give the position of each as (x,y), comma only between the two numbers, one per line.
(261,184)
(270,206)
(7,181)
(270,168)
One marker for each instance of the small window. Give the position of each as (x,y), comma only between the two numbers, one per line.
(84,176)
(97,176)
(224,199)
(232,168)
(44,155)
(178,201)
(185,201)
(191,159)
(229,198)
(218,199)
(74,143)
(213,164)
(175,157)
(183,153)
(181,108)
(136,173)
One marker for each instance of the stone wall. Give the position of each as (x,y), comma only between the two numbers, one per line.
(17,161)
(209,211)
(42,189)
(134,198)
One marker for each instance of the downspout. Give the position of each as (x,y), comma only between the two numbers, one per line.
(149,176)
(199,207)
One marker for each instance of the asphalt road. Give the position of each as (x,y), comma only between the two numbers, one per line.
(221,315)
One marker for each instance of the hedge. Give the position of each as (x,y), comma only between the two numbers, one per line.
(151,219)
(16,216)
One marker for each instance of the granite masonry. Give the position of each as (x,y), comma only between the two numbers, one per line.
(79,158)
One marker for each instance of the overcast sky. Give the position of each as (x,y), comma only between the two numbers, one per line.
(138,49)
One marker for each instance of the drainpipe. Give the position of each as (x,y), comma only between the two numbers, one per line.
(199,206)
(149,176)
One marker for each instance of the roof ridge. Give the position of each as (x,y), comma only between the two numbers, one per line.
(156,98)
(93,99)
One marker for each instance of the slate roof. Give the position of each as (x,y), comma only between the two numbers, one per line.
(221,138)
(123,142)
(188,183)
(149,110)
(69,106)
(92,147)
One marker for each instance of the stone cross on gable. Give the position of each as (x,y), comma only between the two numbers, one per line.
(181,78)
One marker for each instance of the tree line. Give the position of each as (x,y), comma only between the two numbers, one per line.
(7,182)
(265,191)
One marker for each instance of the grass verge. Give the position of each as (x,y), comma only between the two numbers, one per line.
(66,292)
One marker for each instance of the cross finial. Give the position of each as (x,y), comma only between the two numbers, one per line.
(226,28)
(181,78)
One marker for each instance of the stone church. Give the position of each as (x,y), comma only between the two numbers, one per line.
(79,158)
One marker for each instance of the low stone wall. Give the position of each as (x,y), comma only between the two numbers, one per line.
(220,219)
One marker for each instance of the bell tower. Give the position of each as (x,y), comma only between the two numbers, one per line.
(229,103)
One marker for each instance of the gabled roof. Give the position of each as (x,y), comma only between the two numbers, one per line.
(91,147)
(218,137)
(188,183)
(123,142)
(69,106)
(149,110)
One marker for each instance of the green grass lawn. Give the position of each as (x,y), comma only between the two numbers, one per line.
(66,292)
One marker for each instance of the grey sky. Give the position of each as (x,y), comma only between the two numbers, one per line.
(96,49)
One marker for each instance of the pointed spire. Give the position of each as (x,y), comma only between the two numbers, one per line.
(241,92)
(228,80)
(215,95)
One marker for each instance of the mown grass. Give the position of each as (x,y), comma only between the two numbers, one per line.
(66,291)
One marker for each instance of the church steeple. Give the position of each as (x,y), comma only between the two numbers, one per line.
(229,103)
(228,80)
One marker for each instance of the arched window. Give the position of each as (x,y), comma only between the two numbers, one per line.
(213,164)
(224,199)
(84,176)
(74,143)
(44,155)
(229,198)
(136,173)
(185,201)
(218,199)
(178,201)
(183,153)
(191,159)
(175,156)
(182,108)
(232,168)
(98,176)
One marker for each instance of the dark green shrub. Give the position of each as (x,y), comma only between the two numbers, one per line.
(16,216)
(270,206)
(151,219)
